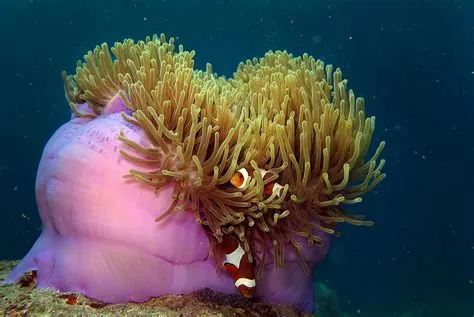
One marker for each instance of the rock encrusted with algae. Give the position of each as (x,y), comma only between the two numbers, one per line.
(23,299)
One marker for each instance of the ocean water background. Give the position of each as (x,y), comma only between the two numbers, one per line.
(413,61)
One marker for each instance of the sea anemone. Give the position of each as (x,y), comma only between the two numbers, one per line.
(286,127)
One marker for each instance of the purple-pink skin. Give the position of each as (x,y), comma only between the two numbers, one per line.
(100,238)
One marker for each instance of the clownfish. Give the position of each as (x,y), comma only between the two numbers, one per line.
(237,264)
(272,187)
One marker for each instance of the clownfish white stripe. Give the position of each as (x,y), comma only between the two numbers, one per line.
(235,257)
(246,282)
(245,175)
(263,172)
(277,188)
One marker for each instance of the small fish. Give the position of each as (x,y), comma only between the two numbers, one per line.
(271,187)
(238,266)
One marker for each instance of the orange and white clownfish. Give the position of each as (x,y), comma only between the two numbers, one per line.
(237,264)
(271,187)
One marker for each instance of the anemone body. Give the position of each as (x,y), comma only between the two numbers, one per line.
(99,236)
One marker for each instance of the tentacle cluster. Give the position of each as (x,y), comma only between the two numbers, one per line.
(288,125)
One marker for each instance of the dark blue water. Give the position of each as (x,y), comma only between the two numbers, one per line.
(413,61)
